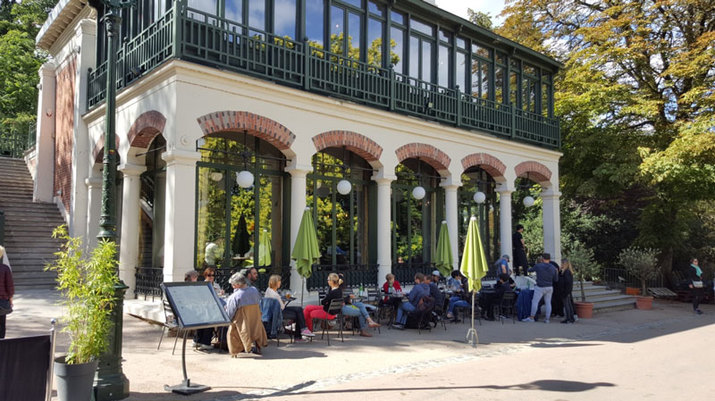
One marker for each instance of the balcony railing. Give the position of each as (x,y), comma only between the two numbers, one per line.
(193,35)
(16,141)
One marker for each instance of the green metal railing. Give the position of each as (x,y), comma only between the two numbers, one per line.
(192,35)
(15,142)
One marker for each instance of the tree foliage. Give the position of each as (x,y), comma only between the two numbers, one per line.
(637,103)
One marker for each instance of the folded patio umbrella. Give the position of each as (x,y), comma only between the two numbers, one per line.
(474,267)
(306,251)
(443,258)
(241,239)
(264,249)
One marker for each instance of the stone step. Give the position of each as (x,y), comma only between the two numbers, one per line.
(615,305)
(601,294)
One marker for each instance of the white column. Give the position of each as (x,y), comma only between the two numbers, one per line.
(298,175)
(552,223)
(452,216)
(384,216)
(129,237)
(505,219)
(45,140)
(94,206)
(180,207)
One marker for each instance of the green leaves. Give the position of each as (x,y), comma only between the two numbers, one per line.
(87,285)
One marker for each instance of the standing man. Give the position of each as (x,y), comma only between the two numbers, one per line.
(519,251)
(546,276)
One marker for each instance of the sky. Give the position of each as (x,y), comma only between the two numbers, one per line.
(459,7)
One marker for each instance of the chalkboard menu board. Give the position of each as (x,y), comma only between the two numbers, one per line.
(196,304)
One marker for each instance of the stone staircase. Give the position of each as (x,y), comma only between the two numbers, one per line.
(28,227)
(603,299)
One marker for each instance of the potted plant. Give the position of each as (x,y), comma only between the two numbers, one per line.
(585,267)
(641,263)
(87,286)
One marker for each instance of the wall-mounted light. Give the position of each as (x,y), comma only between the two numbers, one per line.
(244,179)
(480,197)
(216,176)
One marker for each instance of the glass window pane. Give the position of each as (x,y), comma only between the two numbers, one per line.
(484,90)
(444,66)
(397,17)
(314,22)
(376,8)
(460,77)
(461,43)
(445,36)
(397,42)
(420,26)
(285,15)
(374,40)
(257,14)
(481,51)
(207,6)
(426,61)
(499,85)
(356,3)
(414,57)
(233,10)
(337,30)
(354,36)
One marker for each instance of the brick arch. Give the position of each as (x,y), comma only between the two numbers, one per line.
(536,171)
(433,156)
(487,162)
(98,151)
(146,127)
(259,126)
(354,142)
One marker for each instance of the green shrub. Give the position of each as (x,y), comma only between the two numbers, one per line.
(87,284)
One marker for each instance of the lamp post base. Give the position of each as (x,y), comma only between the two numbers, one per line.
(186,388)
(112,387)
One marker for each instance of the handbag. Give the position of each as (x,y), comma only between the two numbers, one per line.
(697,284)
(5,308)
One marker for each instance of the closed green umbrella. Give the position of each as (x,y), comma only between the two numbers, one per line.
(443,259)
(264,249)
(474,267)
(306,251)
(241,239)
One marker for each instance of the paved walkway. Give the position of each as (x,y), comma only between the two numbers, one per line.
(659,354)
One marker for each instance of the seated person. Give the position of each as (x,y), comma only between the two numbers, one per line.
(391,286)
(502,266)
(294,313)
(454,282)
(191,275)
(246,332)
(436,277)
(459,298)
(434,291)
(311,312)
(354,308)
(488,300)
(420,290)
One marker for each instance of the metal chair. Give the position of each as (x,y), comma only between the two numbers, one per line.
(335,309)
(507,305)
(171,324)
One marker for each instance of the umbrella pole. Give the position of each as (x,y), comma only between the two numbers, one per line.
(472,337)
(302,292)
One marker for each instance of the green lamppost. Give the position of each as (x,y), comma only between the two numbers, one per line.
(111,384)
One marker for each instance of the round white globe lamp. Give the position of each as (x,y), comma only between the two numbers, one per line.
(480,197)
(344,187)
(244,179)
(418,192)
(528,201)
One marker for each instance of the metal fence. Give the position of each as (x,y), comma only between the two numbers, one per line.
(16,141)
(405,272)
(148,282)
(354,275)
(620,279)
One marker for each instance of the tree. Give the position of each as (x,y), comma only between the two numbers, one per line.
(637,101)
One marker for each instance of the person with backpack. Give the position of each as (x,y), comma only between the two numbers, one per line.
(419,291)
(501,266)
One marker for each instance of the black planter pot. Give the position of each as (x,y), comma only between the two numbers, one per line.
(74,382)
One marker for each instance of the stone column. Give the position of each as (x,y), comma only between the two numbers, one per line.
(131,216)
(505,219)
(452,216)
(94,205)
(552,223)
(384,234)
(44,136)
(298,175)
(180,212)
